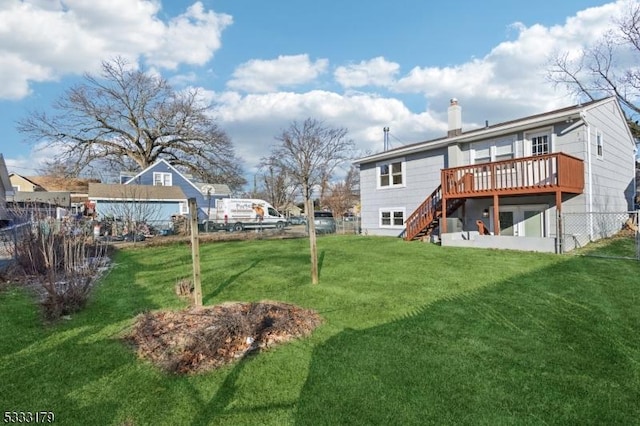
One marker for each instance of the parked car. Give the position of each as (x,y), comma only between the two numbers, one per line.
(324,222)
(297,220)
(349,217)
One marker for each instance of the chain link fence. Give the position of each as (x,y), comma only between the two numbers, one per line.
(603,234)
(10,236)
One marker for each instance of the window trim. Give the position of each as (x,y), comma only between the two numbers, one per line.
(183,207)
(390,163)
(528,140)
(599,144)
(391,211)
(162,175)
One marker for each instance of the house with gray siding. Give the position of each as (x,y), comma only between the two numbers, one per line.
(5,190)
(505,185)
(161,173)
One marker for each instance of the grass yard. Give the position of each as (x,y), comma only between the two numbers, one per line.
(413,334)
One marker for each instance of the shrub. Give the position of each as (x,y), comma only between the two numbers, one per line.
(63,258)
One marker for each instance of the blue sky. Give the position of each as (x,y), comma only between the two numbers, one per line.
(362,65)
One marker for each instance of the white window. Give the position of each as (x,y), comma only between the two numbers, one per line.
(391,174)
(599,144)
(538,143)
(161,179)
(184,208)
(392,217)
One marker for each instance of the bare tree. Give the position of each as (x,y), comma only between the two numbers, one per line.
(609,67)
(309,152)
(344,195)
(278,186)
(128,119)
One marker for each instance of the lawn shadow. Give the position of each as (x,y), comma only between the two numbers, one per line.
(221,404)
(526,350)
(320,262)
(226,283)
(55,361)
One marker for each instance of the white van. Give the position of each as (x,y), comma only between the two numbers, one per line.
(236,214)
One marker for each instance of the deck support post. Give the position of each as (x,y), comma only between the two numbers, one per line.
(443,228)
(559,229)
(496,215)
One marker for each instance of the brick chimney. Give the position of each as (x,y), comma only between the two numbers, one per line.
(455,118)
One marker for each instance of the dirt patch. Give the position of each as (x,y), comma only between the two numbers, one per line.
(201,339)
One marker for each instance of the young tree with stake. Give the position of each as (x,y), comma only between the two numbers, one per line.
(309,152)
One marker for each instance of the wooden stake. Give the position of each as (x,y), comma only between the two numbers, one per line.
(195,253)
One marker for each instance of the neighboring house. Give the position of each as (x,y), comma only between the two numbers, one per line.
(142,203)
(512,179)
(23,184)
(161,173)
(5,191)
(76,188)
(40,203)
(290,210)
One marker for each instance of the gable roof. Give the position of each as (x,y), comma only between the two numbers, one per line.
(4,176)
(135,192)
(11,175)
(55,183)
(500,129)
(219,188)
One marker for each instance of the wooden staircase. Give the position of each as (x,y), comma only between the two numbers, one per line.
(424,219)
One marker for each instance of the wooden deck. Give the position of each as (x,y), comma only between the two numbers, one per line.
(548,173)
(556,174)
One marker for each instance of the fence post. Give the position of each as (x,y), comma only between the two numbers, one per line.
(559,234)
(195,253)
(637,234)
(14,232)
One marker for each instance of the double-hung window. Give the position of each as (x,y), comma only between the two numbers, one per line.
(161,179)
(599,144)
(391,174)
(392,217)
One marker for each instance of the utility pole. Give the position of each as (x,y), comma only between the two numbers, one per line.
(386,138)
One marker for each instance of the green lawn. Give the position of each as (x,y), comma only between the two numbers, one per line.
(413,334)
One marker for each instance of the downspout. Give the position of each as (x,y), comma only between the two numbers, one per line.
(589,206)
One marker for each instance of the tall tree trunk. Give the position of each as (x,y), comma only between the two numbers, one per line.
(313,247)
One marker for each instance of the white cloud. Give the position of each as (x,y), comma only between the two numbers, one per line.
(190,38)
(513,73)
(507,83)
(43,40)
(254,120)
(268,75)
(30,164)
(374,72)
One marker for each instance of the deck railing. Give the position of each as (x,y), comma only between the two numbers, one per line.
(424,214)
(518,176)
